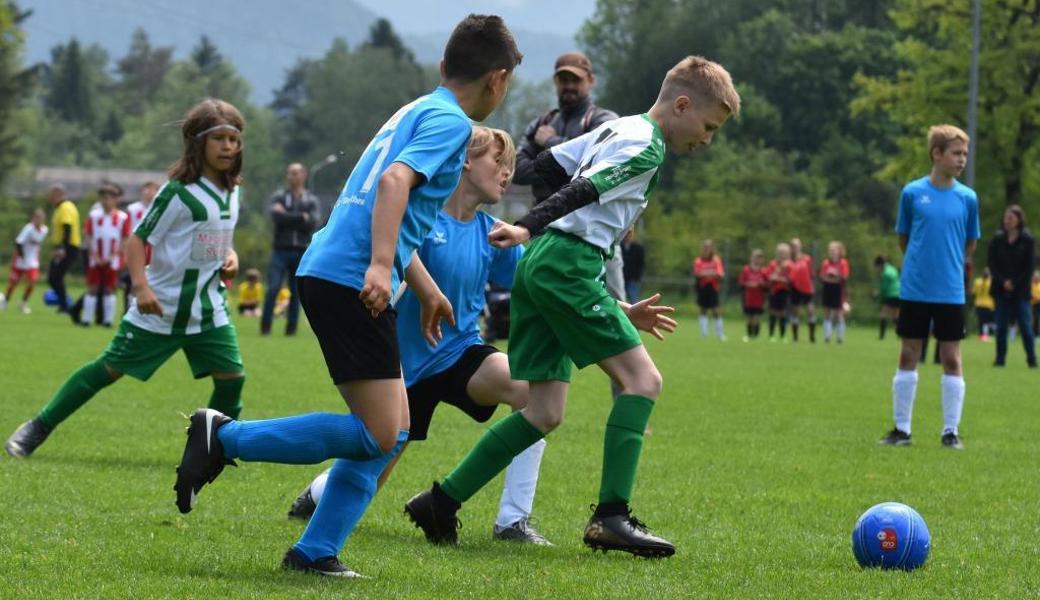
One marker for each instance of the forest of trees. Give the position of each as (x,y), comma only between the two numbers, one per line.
(838,95)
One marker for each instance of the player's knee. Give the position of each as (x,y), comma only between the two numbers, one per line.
(647,383)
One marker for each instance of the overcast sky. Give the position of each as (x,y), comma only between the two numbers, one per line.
(550,16)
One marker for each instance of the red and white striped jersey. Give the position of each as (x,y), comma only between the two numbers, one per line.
(106,233)
(136,210)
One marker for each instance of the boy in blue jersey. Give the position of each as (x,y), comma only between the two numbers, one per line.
(346,279)
(938,226)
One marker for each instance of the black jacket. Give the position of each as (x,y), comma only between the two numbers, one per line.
(1011,261)
(634,259)
(569,123)
(293,228)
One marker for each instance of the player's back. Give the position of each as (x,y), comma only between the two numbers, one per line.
(429,135)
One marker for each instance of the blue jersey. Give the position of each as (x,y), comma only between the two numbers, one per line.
(429,135)
(939,223)
(462,262)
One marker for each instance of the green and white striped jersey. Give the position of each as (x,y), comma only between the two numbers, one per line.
(621,159)
(190,228)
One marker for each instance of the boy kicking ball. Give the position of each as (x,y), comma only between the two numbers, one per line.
(561,311)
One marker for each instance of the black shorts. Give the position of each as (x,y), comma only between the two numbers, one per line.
(707,297)
(800,299)
(448,386)
(946,321)
(890,302)
(984,315)
(752,310)
(355,345)
(778,300)
(832,295)
(244,306)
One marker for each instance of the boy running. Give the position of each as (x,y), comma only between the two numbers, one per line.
(561,311)
(754,281)
(834,272)
(938,226)
(179,302)
(778,273)
(26,263)
(105,233)
(709,272)
(346,279)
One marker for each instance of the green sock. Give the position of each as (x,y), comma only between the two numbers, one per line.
(622,444)
(80,387)
(227,396)
(495,450)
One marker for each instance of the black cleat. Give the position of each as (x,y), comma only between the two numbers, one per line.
(203,459)
(896,437)
(27,438)
(522,531)
(434,517)
(304,505)
(326,567)
(952,440)
(626,533)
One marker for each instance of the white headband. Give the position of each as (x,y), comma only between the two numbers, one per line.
(218,128)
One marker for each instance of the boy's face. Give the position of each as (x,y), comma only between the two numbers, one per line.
(222,147)
(109,201)
(693,125)
(489,176)
(37,219)
(951,161)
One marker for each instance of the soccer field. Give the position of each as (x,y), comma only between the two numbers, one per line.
(761,458)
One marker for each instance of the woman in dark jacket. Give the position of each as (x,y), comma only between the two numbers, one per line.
(1012,257)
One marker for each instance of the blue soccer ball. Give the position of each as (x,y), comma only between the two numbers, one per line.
(50,298)
(891,535)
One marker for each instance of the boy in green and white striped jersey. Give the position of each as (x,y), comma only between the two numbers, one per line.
(561,312)
(179,299)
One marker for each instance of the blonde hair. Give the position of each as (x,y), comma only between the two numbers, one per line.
(783,247)
(840,246)
(941,136)
(706,80)
(485,139)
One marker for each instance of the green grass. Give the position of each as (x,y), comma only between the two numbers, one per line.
(761,458)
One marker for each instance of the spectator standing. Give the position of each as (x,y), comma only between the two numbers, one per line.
(984,305)
(66,237)
(1011,258)
(634,258)
(295,212)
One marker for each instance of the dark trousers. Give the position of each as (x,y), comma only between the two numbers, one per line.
(56,275)
(283,265)
(1014,310)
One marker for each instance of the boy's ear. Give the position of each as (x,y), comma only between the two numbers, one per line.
(497,79)
(682,104)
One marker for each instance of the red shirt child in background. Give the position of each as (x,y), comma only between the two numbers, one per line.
(778,273)
(754,280)
(709,272)
(834,273)
(801,290)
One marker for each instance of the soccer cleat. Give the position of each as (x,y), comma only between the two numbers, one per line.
(25,308)
(522,531)
(203,459)
(326,567)
(438,522)
(304,505)
(27,438)
(896,437)
(952,440)
(626,533)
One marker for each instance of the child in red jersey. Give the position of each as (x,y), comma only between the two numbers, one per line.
(778,273)
(708,271)
(754,280)
(801,290)
(106,232)
(834,272)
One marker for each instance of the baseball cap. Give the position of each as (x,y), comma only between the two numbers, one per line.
(574,62)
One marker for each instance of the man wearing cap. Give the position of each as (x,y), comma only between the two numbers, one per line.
(574,116)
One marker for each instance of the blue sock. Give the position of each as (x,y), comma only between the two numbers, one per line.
(302,440)
(348,492)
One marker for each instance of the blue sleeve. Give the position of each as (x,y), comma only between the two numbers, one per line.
(437,137)
(905,218)
(974,231)
(503,266)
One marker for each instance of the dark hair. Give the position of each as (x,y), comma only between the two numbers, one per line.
(110,188)
(1018,212)
(879,260)
(479,44)
(204,115)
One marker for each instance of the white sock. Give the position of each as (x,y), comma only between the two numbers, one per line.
(89,309)
(518,489)
(904,388)
(952,401)
(318,486)
(827,330)
(1011,334)
(718,328)
(841,329)
(108,308)
(704,325)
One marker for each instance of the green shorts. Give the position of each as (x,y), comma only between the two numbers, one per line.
(560,311)
(139,353)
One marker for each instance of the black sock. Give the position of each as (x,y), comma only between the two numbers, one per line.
(444,500)
(884,325)
(812,331)
(750,330)
(783,326)
(794,331)
(772,325)
(610,509)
